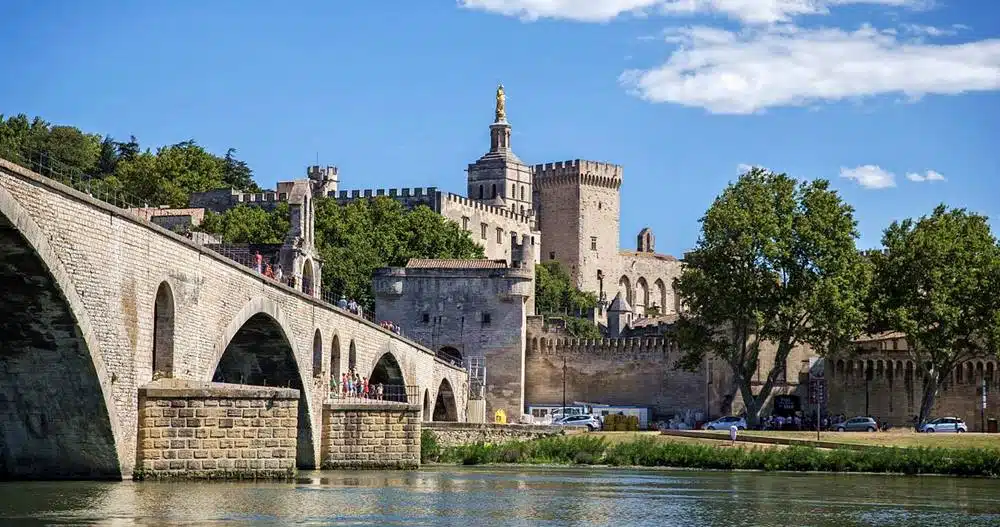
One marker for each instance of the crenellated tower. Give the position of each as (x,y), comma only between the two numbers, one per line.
(577,210)
(499,177)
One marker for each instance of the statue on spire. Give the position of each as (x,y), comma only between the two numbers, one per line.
(501,114)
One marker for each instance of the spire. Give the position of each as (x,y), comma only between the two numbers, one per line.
(500,129)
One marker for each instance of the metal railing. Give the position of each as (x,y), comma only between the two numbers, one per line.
(394,393)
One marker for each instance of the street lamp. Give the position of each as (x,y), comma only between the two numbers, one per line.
(564,387)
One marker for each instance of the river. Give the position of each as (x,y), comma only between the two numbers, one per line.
(473,497)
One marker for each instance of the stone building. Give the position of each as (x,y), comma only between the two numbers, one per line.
(471,312)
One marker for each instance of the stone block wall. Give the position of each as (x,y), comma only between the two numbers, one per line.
(201,430)
(371,436)
(455,434)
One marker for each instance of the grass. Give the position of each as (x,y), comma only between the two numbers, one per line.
(894,438)
(650,450)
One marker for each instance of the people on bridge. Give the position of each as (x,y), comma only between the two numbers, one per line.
(258,260)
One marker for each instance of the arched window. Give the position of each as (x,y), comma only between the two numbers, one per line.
(480,192)
(522,192)
(317,354)
(513,191)
(352,358)
(163,332)
(494,191)
(335,358)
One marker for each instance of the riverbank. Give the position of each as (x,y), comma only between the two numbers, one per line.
(589,449)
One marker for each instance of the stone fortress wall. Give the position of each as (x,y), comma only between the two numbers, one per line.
(883,381)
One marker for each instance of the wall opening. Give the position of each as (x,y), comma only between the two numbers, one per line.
(335,371)
(450,354)
(260,354)
(163,332)
(54,423)
(352,359)
(317,362)
(388,373)
(445,408)
(308,281)
(427,405)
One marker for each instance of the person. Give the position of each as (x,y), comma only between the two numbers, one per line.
(259,261)
(268,272)
(342,303)
(380,391)
(278,275)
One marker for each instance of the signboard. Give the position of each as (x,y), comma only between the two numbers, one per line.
(817,391)
(786,404)
(983,403)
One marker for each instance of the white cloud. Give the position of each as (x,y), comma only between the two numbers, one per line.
(933,31)
(929,175)
(748,71)
(745,11)
(869,176)
(743,168)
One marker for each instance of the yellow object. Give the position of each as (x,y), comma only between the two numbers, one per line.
(500,417)
(501,104)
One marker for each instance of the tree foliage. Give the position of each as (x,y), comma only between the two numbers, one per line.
(166,177)
(937,280)
(555,294)
(776,264)
(244,224)
(364,235)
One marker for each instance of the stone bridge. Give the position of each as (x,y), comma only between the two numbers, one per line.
(93,300)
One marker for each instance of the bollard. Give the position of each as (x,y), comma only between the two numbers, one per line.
(732,434)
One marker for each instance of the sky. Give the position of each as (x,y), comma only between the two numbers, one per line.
(896,102)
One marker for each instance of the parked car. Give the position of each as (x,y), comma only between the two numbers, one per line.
(723,423)
(592,423)
(952,425)
(857,424)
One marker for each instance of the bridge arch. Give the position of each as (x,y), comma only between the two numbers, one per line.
(70,428)
(445,407)
(257,349)
(162,360)
(387,371)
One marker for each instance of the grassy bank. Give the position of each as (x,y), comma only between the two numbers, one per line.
(588,449)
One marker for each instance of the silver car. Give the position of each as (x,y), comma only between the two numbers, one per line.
(857,424)
(589,421)
(945,424)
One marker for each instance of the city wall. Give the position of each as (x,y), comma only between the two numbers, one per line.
(193,430)
(629,371)
(890,386)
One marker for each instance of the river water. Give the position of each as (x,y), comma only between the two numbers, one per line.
(473,497)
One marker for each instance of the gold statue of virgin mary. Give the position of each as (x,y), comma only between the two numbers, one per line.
(501,114)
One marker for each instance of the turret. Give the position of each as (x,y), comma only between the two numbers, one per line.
(619,316)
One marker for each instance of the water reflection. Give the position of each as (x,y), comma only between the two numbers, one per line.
(473,497)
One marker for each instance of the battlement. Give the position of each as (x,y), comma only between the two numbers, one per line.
(550,345)
(260,197)
(491,209)
(322,173)
(417,192)
(898,365)
(578,171)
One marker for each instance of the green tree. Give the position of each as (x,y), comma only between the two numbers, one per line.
(555,294)
(365,235)
(938,282)
(237,174)
(776,262)
(243,224)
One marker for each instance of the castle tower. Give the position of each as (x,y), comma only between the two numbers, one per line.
(577,206)
(499,177)
(323,180)
(619,316)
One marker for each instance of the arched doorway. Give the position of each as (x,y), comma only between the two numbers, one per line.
(388,373)
(335,358)
(56,422)
(317,365)
(352,359)
(450,354)
(260,354)
(445,408)
(308,281)
(163,332)
(427,405)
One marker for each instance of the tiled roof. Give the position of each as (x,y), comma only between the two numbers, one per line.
(418,263)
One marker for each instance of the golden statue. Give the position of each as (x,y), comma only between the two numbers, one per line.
(501,114)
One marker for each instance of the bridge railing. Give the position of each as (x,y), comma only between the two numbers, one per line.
(108,190)
(395,393)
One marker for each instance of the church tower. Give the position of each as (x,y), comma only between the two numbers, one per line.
(499,178)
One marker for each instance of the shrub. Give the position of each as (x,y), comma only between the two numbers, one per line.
(429,449)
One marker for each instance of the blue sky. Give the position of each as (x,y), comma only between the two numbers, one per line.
(871,94)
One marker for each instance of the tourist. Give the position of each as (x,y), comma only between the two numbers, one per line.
(380,392)
(352,306)
(343,384)
(278,275)
(268,272)
(365,387)
(334,386)
(258,261)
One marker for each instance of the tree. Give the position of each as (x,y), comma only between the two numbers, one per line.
(243,224)
(236,174)
(937,280)
(555,294)
(776,263)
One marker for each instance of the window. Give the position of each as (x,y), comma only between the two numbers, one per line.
(513,190)
(465,223)
(599,205)
(522,210)
(499,235)
(522,192)
(480,192)
(426,318)
(532,240)
(494,191)
(593,243)
(486,319)
(552,255)
(483,227)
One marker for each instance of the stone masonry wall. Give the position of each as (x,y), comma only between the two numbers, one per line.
(455,434)
(471,216)
(382,436)
(110,265)
(210,430)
